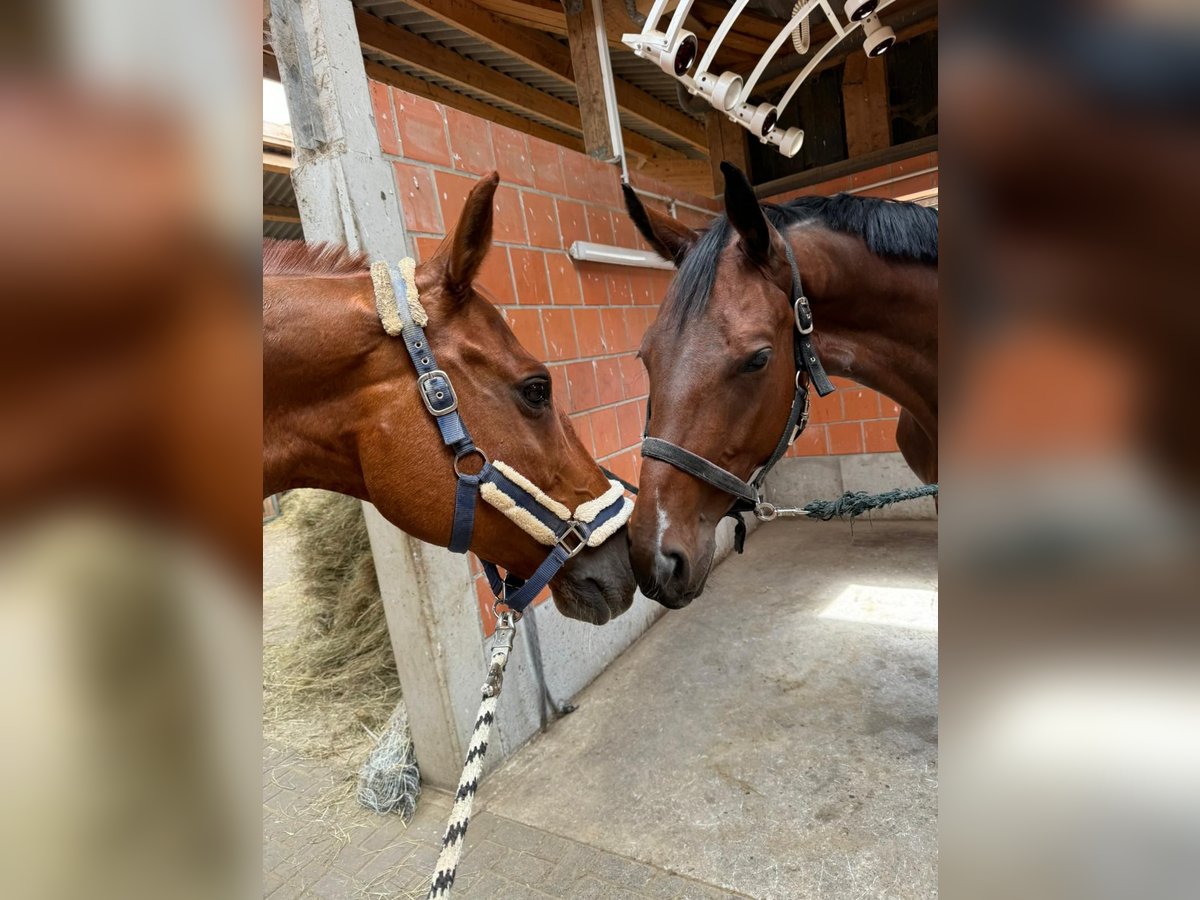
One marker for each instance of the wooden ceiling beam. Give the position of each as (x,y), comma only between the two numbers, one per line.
(596,103)
(727,142)
(748,22)
(404,46)
(865,105)
(276,135)
(553,20)
(470,105)
(690,174)
(381,37)
(540,50)
(273,213)
(545,15)
(529,44)
(280,163)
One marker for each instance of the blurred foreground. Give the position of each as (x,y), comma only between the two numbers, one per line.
(129,395)
(1071,680)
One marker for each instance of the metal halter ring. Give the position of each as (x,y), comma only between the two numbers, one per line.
(513,616)
(463,455)
(506,618)
(573,529)
(765,512)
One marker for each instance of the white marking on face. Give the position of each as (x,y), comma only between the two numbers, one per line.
(663,525)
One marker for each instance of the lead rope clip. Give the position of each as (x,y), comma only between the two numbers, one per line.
(502,644)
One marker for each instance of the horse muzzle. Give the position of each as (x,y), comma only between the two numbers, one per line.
(597,585)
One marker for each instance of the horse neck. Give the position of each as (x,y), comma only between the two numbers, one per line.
(876,319)
(318,336)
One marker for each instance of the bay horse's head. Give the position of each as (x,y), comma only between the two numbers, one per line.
(722,380)
(342,410)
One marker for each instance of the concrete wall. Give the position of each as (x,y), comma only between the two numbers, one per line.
(797,481)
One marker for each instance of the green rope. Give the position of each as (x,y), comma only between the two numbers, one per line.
(855,503)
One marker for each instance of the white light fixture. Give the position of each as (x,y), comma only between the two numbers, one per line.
(586,251)
(788,140)
(877,37)
(674,50)
(664,41)
(759,118)
(720,91)
(857,10)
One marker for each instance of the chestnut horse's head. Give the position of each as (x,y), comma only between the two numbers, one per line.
(342,411)
(722,381)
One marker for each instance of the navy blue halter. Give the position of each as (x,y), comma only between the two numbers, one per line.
(441,401)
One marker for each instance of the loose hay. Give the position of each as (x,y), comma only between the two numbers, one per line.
(330,686)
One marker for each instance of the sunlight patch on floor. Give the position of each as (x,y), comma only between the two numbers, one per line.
(914,608)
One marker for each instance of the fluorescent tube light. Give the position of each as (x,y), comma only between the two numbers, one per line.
(617,256)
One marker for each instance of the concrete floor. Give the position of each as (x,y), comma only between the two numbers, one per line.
(749,742)
(748,746)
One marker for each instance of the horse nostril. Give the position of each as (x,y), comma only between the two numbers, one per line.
(672,568)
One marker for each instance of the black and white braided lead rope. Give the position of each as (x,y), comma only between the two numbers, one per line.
(468,781)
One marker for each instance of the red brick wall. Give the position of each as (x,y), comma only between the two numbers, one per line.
(854,419)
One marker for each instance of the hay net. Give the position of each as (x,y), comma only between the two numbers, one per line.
(331,691)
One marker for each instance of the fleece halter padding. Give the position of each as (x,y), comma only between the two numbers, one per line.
(385,296)
(495,493)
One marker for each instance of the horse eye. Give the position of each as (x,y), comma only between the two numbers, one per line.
(536,392)
(758,361)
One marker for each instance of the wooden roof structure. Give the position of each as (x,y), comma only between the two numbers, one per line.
(524,64)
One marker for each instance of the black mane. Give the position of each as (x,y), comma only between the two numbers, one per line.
(896,230)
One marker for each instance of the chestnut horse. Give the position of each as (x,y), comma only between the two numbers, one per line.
(720,355)
(342,411)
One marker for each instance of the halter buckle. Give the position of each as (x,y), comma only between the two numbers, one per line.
(573,529)
(804,320)
(437,393)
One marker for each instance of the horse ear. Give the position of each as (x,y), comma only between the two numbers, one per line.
(670,238)
(466,248)
(745,214)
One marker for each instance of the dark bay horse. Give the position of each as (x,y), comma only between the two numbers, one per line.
(341,408)
(720,354)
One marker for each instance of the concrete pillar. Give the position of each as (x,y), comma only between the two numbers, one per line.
(346,194)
